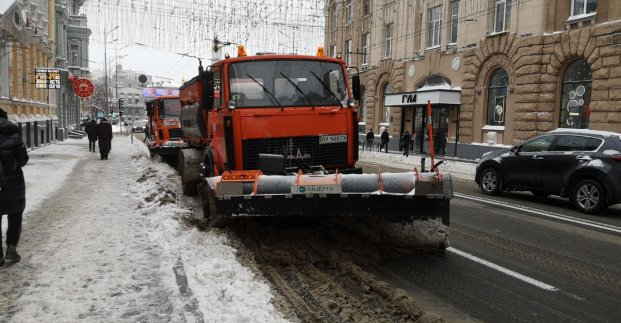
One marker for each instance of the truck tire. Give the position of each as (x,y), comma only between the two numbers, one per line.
(189,168)
(211,217)
(208,163)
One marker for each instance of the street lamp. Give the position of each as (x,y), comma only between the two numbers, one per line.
(106,62)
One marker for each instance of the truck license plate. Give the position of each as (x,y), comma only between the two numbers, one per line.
(332,139)
(316,189)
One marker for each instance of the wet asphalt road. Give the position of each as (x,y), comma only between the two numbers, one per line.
(530,266)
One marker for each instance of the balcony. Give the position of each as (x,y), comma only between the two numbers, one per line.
(78,21)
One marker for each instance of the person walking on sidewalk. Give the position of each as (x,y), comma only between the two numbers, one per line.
(370,139)
(91,132)
(405,140)
(385,139)
(13,156)
(104,135)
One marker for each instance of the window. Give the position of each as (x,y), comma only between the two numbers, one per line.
(537,144)
(577,143)
(583,7)
(576,96)
(286,83)
(435,80)
(333,51)
(348,52)
(435,27)
(454,21)
(335,17)
(348,11)
(366,7)
(386,110)
(388,52)
(502,15)
(366,41)
(497,98)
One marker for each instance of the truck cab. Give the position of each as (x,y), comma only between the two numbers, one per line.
(164,128)
(297,107)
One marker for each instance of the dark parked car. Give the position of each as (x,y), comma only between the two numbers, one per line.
(582,165)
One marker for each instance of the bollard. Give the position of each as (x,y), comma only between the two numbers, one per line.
(422,164)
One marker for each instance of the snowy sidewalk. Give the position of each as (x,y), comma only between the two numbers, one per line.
(105,241)
(461,170)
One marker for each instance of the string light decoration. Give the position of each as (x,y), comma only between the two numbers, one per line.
(190,26)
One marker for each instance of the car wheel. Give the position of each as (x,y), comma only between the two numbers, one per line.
(589,196)
(540,194)
(490,181)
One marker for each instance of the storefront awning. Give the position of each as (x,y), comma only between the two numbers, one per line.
(420,97)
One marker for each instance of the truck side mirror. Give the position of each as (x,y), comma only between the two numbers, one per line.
(149,109)
(208,90)
(355,86)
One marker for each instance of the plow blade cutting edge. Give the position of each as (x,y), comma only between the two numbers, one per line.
(397,197)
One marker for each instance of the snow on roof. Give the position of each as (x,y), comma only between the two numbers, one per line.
(443,86)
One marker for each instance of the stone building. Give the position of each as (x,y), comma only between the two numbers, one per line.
(37,35)
(497,72)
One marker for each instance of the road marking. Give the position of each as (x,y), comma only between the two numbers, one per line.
(553,215)
(504,270)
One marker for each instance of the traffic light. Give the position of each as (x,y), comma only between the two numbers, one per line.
(121,102)
(216,45)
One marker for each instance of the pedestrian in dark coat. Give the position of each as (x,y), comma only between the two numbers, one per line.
(91,132)
(440,143)
(385,139)
(104,135)
(405,140)
(13,156)
(370,139)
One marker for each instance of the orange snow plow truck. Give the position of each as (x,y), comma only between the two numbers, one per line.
(277,135)
(164,130)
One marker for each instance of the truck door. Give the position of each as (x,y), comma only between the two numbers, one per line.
(219,117)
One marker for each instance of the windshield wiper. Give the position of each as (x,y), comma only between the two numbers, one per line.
(299,90)
(325,86)
(270,95)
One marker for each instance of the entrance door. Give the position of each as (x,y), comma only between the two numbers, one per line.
(439,119)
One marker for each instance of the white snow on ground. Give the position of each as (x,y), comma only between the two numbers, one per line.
(457,169)
(47,169)
(227,291)
(94,249)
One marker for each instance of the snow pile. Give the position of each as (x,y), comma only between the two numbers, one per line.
(224,289)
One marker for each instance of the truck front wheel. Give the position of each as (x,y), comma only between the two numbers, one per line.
(189,169)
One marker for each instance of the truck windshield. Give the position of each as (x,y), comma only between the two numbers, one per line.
(251,84)
(170,109)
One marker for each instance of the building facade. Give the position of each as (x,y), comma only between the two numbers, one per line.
(72,58)
(496,72)
(26,43)
(40,34)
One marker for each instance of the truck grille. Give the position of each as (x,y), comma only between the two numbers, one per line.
(297,151)
(175,133)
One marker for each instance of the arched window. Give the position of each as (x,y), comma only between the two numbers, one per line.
(386,110)
(435,80)
(576,96)
(497,98)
